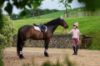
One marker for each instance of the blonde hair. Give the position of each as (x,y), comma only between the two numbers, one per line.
(76,24)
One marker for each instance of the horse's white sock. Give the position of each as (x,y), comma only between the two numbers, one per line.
(46,50)
(21,52)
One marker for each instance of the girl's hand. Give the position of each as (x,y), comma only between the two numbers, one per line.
(79,41)
(64,32)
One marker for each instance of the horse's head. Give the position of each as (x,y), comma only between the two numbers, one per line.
(63,23)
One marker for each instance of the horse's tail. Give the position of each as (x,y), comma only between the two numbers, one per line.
(19,40)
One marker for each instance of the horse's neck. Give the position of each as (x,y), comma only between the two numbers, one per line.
(52,28)
(52,25)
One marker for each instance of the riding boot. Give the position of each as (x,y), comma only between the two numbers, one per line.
(74,50)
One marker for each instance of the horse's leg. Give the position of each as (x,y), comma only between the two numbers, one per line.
(20,44)
(19,49)
(46,43)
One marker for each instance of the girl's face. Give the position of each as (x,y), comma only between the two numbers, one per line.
(74,26)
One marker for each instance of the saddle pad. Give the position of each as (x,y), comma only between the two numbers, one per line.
(37,28)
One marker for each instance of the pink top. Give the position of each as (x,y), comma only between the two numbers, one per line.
(75,33)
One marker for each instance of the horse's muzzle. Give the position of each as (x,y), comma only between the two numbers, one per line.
(66,26)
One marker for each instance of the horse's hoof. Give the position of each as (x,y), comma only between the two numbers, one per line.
(21,56)
(46,54)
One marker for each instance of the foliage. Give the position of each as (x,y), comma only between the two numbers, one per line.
(1,57)
(1,2)
(33,13)
(66,62)
(36,3)
(14,16)
(25,13)
(1,26)
(1,20)
(6,32)
(66,5)
(20,4)
(6,27)
(91,5)
(47,63)
(9,8)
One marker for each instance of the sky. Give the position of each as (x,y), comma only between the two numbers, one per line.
(54,4)
(49,4)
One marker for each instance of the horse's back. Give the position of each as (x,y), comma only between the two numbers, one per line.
(24,28)
(28,31)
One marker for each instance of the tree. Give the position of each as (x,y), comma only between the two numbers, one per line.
(33,5)
(19,4)
(91,5)
(66,5)
(6,28)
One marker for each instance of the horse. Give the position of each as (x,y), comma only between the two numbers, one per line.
(29,32)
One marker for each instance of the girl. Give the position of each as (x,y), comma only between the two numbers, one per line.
(75,37)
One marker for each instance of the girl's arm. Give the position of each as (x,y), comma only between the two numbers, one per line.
(70,32)
(64,31)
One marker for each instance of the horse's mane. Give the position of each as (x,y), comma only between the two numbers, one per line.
(53,22)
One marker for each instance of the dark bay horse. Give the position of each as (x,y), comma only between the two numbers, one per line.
(28,32)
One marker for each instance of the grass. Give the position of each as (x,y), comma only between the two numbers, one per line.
(88,25)
(38,20)
(66,62)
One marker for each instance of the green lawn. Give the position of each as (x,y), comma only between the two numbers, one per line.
(87,25)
